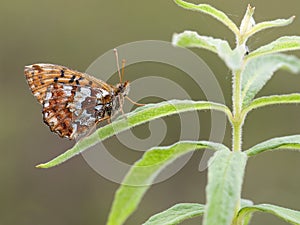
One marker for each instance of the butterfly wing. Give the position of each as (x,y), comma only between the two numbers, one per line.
(72,101)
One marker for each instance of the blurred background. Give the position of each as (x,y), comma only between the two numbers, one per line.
(74,34)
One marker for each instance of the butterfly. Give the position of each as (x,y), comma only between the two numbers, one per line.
(73,102)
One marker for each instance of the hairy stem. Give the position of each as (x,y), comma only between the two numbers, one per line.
(237,122)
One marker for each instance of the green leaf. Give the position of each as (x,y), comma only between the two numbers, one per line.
(193,39)
(176,214)
(268,24)
(232,58)
(283,44)
(181,212)
(287,142)
(137,117)
(272,100)
(143,172)
(207,9)
(288,215)
(225,177)
(258,71)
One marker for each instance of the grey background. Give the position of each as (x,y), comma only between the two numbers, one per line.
(75,34)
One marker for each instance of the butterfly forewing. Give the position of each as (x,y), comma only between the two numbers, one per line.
(73,102)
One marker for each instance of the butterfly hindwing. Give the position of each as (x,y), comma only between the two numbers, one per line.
(73,102)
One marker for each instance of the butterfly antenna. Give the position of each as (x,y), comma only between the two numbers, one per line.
(118,66)
(123,69)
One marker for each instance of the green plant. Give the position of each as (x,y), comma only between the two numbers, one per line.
(250,72)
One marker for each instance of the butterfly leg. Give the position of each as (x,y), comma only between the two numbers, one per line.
(95,125)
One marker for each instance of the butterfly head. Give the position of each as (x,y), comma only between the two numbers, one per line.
(123,88)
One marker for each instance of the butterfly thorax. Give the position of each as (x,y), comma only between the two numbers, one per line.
(109,105)
(123,88)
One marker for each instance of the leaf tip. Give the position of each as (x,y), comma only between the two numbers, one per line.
(42,166)
(175,39)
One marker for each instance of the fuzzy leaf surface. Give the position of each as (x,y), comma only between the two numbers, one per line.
(288,215)
(176,214)
(143,173)
(190,39)
(225,178)
(258,71)
(287,142)
(139,116)
(208,9)
(283,44)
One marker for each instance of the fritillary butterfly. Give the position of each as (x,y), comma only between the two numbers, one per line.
(73,102)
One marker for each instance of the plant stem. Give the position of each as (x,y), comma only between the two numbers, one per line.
(237,136)
(237,122)
(237,92)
